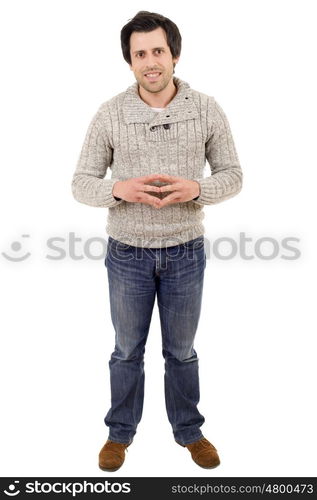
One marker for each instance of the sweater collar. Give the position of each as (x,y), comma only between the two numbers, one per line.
(181,107)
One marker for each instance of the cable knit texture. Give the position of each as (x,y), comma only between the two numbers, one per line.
(129,137)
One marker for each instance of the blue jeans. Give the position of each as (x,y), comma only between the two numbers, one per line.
(135,276)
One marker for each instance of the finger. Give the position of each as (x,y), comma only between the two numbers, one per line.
(149,178)
(147,187)
(170,187)
(163,203)
(147,198)
(171,198)
(162,177)
(168,178)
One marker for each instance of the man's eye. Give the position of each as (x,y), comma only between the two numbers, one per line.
(139,54)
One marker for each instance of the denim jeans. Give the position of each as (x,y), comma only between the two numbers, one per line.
(135,276)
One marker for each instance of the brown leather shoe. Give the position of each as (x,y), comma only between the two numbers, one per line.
(203,453)
(112,455)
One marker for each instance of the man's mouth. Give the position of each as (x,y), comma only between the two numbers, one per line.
(153,76)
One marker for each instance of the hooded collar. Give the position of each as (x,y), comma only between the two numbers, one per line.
(181,107)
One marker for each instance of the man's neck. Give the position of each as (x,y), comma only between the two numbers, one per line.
(159,99)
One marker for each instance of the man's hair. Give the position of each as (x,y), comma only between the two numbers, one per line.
(145,21)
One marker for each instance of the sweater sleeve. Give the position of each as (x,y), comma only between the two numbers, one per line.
(226,176)
(88,183)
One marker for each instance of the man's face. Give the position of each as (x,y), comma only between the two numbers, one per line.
(151,54)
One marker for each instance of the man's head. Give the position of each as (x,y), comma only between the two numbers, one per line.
(151,43)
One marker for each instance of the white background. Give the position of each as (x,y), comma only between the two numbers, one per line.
(256,340)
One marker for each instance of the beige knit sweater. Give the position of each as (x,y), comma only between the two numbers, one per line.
(129,137)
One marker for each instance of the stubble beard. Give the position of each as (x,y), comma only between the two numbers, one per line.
(155,88)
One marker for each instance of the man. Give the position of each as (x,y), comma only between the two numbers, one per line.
(155,137)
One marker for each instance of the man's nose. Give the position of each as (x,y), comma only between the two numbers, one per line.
(150,61)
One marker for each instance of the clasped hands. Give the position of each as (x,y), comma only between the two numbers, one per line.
(137,189)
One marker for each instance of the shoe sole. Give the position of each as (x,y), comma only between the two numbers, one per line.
(109,470)
(116,468)
(205,467)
